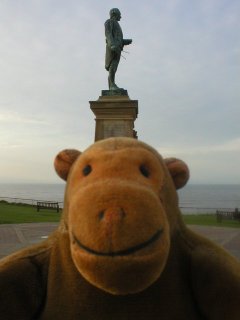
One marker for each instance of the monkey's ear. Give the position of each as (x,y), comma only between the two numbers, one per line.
(178,170)
(64,160)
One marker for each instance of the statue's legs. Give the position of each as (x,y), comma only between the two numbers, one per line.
(112,71)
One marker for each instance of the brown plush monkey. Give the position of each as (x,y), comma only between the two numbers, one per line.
(121,250)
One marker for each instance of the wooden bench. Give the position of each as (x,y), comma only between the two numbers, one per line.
(228,215)
(47,205)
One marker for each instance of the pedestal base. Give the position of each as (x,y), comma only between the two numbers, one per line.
(115,116)
(117,92)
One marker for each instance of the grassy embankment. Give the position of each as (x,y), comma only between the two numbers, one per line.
(209,220)
(21,213)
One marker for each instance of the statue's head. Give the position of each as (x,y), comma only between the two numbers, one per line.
(115,13)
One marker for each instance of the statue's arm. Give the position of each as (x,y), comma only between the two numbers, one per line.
(109,33)
(127,42)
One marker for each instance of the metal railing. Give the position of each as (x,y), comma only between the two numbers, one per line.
(202,210)
(184,209)
(32,202)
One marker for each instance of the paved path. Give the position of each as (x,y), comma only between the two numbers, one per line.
(16,236)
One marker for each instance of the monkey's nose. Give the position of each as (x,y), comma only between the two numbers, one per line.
(113,214)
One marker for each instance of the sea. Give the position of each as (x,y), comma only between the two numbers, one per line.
(193,198)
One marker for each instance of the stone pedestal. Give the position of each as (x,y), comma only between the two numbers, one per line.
(115,116)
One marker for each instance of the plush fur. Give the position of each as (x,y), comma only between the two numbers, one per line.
(121,250)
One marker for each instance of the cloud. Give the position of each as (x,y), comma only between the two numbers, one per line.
(9,145)
(13,117)
(228,146)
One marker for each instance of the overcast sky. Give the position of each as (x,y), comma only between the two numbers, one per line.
(183,67)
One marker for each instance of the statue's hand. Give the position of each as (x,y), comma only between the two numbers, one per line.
(127,41)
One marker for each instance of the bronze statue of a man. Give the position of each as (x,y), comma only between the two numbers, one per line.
(114,46)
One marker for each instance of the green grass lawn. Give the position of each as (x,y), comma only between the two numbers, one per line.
(209,220)
(20,213)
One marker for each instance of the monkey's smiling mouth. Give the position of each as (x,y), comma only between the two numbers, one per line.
(124,252)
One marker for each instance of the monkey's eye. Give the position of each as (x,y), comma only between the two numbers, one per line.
(87,170)
(144,171)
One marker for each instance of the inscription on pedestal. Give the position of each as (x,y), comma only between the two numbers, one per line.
(116,129)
